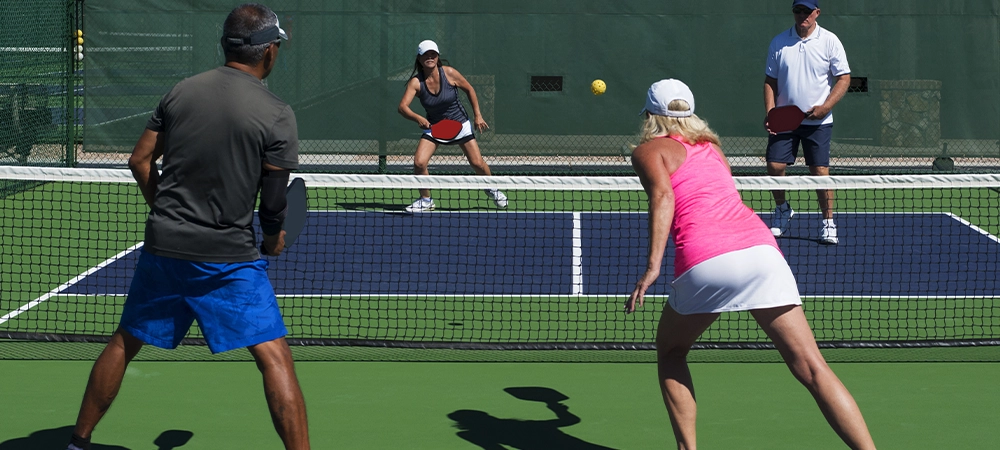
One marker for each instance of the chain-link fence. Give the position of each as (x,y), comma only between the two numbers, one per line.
(38,98)
(924,94)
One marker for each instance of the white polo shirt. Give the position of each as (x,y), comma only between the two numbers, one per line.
(805,68)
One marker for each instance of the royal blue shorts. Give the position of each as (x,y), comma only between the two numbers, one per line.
(234,303)
(815,140)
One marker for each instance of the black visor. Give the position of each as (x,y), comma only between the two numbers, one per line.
(260,37)
(265,36)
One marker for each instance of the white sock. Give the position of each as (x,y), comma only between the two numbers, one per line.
(829,223)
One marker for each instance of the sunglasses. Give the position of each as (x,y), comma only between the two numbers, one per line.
(803,11)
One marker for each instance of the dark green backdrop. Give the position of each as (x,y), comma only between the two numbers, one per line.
(932,69)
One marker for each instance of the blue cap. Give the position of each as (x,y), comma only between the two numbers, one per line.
(811,4)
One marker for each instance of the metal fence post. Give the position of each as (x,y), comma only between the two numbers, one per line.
(383,75)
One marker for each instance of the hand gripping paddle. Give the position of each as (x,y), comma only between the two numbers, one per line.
(446,129)
(784,118)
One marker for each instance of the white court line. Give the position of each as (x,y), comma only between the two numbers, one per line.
(66,285)
(973,227)
(577,255)
(143,114)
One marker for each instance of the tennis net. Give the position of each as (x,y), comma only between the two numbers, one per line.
(915,267)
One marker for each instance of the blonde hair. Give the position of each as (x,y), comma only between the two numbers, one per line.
(692,129)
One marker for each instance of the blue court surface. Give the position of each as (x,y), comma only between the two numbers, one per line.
(936,255)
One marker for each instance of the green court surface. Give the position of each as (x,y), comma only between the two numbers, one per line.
(396,405)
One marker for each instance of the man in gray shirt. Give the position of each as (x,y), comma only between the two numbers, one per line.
(224,139)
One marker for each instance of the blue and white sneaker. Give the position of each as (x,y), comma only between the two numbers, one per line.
(421,205)
(498,198)
(780,219)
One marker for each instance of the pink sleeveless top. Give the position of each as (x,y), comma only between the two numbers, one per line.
(709,216)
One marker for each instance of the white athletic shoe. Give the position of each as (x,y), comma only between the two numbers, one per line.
(498,198)
(828,234)
(780,219)
(422,204)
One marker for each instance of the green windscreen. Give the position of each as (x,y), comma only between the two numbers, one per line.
(924,76)
(37,82)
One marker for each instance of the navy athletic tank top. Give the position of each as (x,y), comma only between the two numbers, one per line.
(445,104)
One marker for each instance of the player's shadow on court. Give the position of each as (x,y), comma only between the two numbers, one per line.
(488,432)
(814,240)
(393,208)
(172,439)
(58,438)
(373,206)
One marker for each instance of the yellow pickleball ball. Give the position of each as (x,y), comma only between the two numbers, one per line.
(79,40)
(79,33)
(598,87)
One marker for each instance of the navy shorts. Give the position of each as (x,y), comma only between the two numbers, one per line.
(234,303)
(815,139)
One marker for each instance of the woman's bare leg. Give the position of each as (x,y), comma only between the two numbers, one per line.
(471,150)
(421,159)
(675,335)
(788,329)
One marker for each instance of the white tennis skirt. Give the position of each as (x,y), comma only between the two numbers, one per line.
(742,280)
(458,139)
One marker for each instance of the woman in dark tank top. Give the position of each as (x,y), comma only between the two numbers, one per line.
(436,85)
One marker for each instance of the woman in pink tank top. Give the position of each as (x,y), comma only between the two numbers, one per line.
(726,260)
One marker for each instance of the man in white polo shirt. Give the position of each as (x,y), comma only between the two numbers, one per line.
(806,67)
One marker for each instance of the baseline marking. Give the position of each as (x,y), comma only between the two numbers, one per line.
(66,285)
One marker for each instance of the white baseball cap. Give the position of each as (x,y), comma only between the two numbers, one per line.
(426,46)
(663,92)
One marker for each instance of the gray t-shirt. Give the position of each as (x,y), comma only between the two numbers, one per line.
(218,127)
